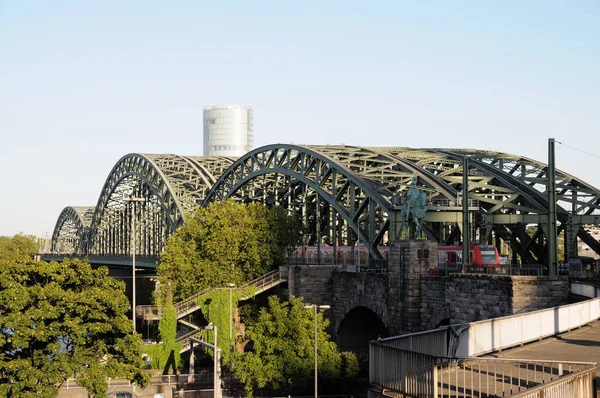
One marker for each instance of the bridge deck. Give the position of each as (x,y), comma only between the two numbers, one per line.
(579,345)
(480,378)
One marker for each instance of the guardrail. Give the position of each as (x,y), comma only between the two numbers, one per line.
(148,312)
(477,338)
(183,307)
(414,374)
(350,263)
(501,333)
(264,280)
(463,342)
(191,304)
(404,371)
(206,378)
(430,342)
(583,289)
(580,384)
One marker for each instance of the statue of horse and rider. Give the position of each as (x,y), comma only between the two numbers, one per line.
(413,207)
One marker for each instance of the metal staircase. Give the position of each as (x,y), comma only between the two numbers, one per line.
(192,303)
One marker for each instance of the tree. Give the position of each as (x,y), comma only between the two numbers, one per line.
(166,354)
(283,349)
(59,320)
(226,242)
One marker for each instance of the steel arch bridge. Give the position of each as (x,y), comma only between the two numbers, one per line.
(345,196)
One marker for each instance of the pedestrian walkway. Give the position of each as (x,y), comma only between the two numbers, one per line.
(580,345)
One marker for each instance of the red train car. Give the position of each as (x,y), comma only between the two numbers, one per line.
(483,258)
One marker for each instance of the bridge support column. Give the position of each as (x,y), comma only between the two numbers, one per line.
(409,262)
(570,236)
(191,369)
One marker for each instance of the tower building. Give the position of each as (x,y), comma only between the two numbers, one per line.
(228,130)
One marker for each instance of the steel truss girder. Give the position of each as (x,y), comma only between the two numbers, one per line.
(72,230)
(582,197)
(343,190)
(337,187)
(531,178)
(173,187)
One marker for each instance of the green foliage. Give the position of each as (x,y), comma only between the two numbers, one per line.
(17,250)
(60,320)
(283,349)
(215,308)
(167,353)
(226,242)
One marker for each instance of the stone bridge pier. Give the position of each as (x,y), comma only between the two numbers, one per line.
(405,298)
(367,305)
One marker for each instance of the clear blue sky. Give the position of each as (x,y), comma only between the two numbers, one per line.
(83,83)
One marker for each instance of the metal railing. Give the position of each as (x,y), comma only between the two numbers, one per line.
(430,342)
(205,378)
(148,312)
(192,303)
(264,280)
(185,339)
(477,338)
(349,263)
(496,377)
(401,363)
(580,384)
(414,374)
(452,203)
(403,371)
(507,269)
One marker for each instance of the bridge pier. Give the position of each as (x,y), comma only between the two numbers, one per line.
(405,298)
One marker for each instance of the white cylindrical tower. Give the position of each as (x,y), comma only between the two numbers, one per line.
(228,130)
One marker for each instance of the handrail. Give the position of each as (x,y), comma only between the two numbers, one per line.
(464,342)
(260,278)
(579,384)
(190,304)
(481,337)
(410,373)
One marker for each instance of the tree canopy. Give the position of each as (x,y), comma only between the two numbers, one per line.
(283,349)
(226,242)
(60,320)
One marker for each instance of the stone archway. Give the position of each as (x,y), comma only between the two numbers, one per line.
(357,328)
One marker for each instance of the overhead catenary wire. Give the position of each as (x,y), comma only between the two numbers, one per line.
(579,150)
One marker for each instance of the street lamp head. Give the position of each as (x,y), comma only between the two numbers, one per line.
(323,307)
(231,284)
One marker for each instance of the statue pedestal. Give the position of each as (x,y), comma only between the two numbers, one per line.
(410,260)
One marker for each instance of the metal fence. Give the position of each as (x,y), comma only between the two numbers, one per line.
(419,363)
(199,378)
(580,384)
(413,374)
(403,371)
(350,263)
(431,342)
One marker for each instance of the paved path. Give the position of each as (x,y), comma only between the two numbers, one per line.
(580,345)
(514,374)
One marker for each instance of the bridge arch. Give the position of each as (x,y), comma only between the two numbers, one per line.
(71,230)
(343,194)
(359,326)
(335,202)
(172,187)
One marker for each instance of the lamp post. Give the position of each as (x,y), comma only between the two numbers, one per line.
(216,381)
(133,200)
(323,307)
(231,286)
